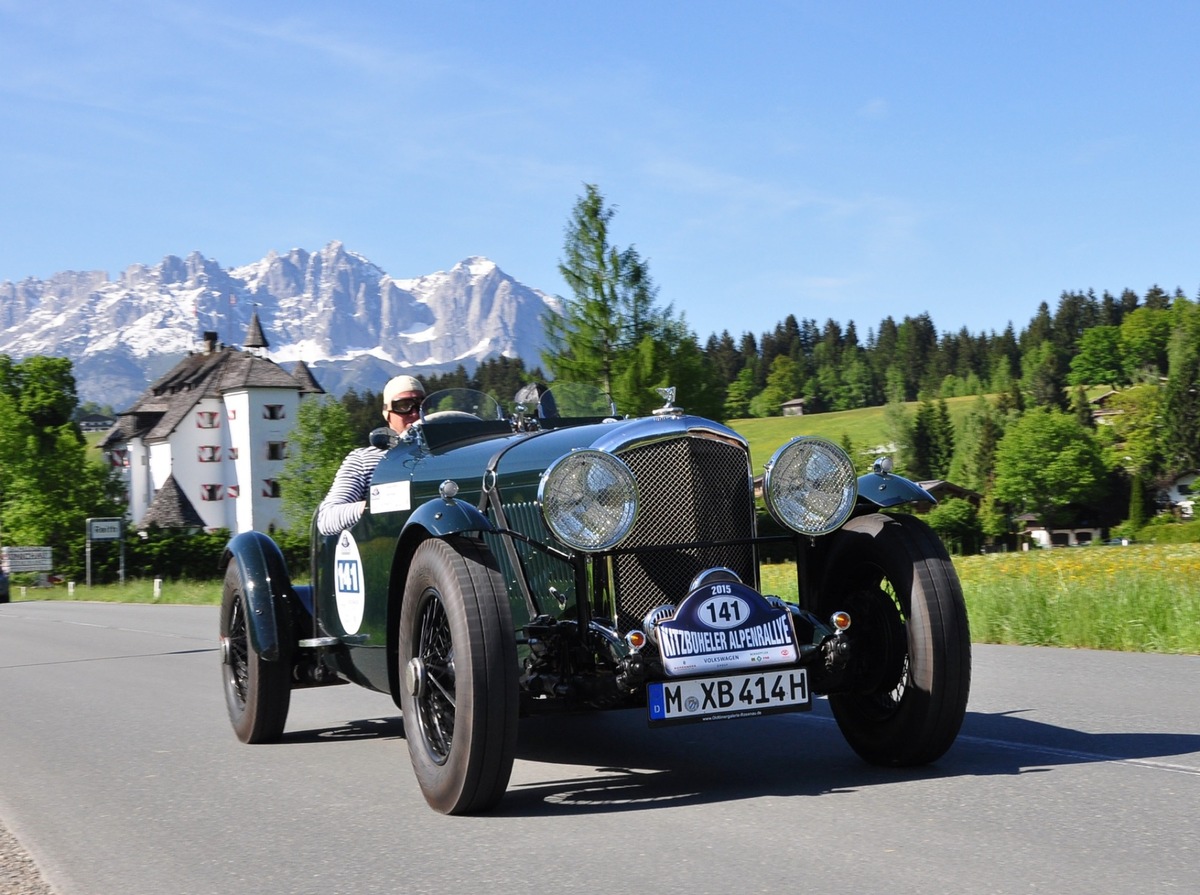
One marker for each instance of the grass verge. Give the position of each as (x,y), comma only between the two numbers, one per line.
(1140,598)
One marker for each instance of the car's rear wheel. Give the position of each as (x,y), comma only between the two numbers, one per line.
(911,646)
(257,692)
(458,675)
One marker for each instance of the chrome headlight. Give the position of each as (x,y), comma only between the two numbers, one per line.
(810,485)
(588,499)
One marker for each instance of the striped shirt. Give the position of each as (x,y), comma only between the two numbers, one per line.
(347,497)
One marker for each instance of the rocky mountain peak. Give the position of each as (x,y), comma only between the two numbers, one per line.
(348,319)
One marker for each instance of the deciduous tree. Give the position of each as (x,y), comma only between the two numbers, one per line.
(1045,462)
(318,443)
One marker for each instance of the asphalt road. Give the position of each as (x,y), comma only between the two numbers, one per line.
(1076,771)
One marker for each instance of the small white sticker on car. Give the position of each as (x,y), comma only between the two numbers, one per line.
(391,497)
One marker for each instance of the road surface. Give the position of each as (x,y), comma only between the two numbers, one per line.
(1076,771)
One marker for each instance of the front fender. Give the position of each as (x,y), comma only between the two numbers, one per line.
(442,517)
(891,490)
(265,582)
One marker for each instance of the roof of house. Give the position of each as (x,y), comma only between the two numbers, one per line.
(171,508)
(211,373)
(939,487)
(308,383)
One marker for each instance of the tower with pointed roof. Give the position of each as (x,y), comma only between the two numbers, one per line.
(207,441)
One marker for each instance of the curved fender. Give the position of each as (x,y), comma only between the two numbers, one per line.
(890,490)
(447,517)
(264,578)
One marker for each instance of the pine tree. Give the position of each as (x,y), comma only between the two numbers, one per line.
(611,332)
(1137,505)
(610,300)
(1181,403)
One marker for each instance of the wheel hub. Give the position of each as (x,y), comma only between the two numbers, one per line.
(415,677)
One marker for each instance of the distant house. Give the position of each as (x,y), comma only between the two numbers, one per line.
(1042,536)
(203,447)
(1102,410)
(95,422)
(941,489)
(1180,493)
(794,407)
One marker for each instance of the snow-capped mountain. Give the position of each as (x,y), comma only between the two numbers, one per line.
(351,322)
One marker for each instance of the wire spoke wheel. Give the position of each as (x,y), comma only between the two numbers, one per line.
(239,669)
(435,702)
(457,656)
(911,648)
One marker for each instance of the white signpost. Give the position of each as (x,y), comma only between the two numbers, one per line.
(105,529)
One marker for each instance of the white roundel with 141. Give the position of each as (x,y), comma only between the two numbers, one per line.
(725,611)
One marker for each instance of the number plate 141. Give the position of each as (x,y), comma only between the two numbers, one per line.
(728,696)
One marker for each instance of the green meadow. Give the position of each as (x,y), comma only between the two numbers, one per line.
(1139,598)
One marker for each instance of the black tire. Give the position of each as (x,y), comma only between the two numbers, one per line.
(911,671)
(257,692)
(458,676)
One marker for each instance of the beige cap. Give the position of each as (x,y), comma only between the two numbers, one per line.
(400,385)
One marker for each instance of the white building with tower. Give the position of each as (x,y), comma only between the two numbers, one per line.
(205,444)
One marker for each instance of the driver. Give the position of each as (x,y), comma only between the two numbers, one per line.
(347,497)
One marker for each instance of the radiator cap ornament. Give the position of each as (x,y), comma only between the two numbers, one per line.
(668,409)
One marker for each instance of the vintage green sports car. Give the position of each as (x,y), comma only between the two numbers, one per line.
(561,557)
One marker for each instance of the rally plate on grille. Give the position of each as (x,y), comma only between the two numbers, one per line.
(725,626)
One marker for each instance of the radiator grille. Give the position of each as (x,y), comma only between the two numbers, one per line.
(691,489)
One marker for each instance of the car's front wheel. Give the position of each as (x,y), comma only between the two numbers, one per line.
(911,647)
(258,692)
(458,675)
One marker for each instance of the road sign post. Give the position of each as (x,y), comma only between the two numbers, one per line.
(105,529)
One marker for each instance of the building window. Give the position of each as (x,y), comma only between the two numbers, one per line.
(211,492)
(273,412)
(270,488)
(208,419)
(208,453)
(276,450)
(232,413)
(119,458)
(234,491)
(233,453)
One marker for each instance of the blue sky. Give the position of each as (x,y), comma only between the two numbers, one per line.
(842,160)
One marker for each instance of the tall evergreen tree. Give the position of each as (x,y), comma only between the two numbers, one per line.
(611,331)
(1043,376)
(611,306)
(1181,400)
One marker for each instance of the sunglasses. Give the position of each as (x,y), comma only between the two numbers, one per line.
(405,406)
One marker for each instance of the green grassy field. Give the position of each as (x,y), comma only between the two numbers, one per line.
(866,428)
(1136,598)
